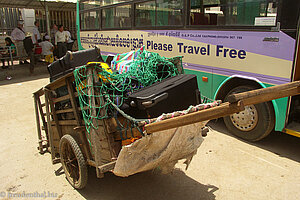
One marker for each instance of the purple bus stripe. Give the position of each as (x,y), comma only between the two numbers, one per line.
(106,52)
(229,72)
(252,41)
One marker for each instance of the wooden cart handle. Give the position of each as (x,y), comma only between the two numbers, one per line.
(236,104)
(266,94)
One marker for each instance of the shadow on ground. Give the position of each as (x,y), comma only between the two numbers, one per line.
(23,79)
(147,185)
(279,143)
(20,73)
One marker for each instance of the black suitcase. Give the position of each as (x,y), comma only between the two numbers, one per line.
(172,94)
(72,60)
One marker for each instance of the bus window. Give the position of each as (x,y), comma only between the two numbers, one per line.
(145,14)
(94,19)
(117,17)
(233,12)
(169,12)
(90,20)
(83,24)
(166,13)
(88,4)
(110,2)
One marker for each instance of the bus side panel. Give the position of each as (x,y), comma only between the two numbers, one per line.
(205,81)
(212,55)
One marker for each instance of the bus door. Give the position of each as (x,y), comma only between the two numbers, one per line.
(293,120)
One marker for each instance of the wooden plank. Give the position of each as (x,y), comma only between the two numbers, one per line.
(56,161)
(270,96)
(59,82)
(73,101)
(68,110)
(91,163)
(54,115)
(55,138)
(111,125)
(40,92)
(38,125)
(49,128)
(212,113)
(81,130)
(269,93)
(45,114)
(43,117)
(63,98)
(66,122)
(107,167)
(107,154)
(95,136)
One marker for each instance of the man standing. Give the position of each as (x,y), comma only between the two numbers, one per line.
(36,36)
(61,38)
(18,35)
(52,33)
(70,42)
(28,46)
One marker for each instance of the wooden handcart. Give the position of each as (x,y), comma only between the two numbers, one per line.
(65,134)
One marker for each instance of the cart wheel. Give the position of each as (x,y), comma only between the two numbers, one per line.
(254,123)
(73,162)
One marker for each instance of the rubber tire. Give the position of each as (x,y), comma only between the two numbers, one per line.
(83,170)
(266,119)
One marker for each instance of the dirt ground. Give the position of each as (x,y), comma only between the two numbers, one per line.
(224,167)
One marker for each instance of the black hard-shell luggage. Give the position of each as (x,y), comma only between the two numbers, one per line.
(172,94)
(72,60)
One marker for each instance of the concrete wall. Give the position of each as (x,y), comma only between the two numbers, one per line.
(28,15)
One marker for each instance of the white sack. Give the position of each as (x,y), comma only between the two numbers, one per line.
(161,149)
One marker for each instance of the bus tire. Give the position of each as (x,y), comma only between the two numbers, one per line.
(254,123)
(73,162)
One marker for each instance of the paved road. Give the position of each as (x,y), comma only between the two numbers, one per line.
(224,167)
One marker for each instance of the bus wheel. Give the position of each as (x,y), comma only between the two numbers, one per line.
(254,123)
(73,162)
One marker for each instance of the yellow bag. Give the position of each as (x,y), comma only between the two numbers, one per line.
(102,65)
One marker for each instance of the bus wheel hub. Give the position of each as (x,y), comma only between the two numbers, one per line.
(245,120)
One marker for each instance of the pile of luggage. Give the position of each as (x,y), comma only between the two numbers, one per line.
(142,84)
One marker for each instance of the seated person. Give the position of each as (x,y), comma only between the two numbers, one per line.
(47,49)
(10,49)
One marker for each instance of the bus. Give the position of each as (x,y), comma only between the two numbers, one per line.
(231,45)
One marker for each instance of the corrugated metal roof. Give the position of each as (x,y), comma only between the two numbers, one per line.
(37,4)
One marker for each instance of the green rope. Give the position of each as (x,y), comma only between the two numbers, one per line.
(111,90)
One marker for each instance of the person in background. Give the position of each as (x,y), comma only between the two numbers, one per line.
(52,33)
(18,35)
(29,47)
(61,38)
(70,42)
(10,50)
(36,36)
(47,49)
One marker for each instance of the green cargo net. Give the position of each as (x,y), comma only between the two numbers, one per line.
(109,87)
